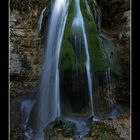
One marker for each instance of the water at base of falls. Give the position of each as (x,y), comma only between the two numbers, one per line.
(82,125)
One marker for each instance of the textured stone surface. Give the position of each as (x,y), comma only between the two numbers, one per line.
(15,64)
(26,53)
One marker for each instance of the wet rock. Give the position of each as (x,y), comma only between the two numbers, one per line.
(114,114)
(16,134)
(60,128)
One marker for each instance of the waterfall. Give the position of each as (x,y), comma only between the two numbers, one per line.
(49,98)
(48,102)
(78,23)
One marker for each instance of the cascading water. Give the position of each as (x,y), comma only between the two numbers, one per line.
(48,103)
(78,23)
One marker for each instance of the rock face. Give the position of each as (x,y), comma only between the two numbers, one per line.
(127,16)
(26,45)
(15,64)
(122,61)
(119,32)
(114,18)
(25,54)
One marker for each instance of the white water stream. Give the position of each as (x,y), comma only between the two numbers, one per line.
(49,97)
(79,23)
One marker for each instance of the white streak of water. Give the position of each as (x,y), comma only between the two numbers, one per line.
(41,19)
(88,8)
(26,107)
(49,98)
(78,21)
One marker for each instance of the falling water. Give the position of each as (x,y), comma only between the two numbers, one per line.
(49,98)
(41,19)
(97,16)
(48,101)
(26,107)
(88,8)
(79,23)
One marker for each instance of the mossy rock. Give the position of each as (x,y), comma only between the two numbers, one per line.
(60,127)
(67,54)
(101,131)
(97,58)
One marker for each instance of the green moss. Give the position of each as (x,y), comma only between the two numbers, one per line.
(98,60)
(67,53)
(105,136)
(67,57)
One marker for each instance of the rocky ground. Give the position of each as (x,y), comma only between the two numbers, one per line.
(106,130)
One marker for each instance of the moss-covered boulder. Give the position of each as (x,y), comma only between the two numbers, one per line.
(60,129)
(97,58)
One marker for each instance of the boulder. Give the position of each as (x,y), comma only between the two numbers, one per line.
(59,129)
